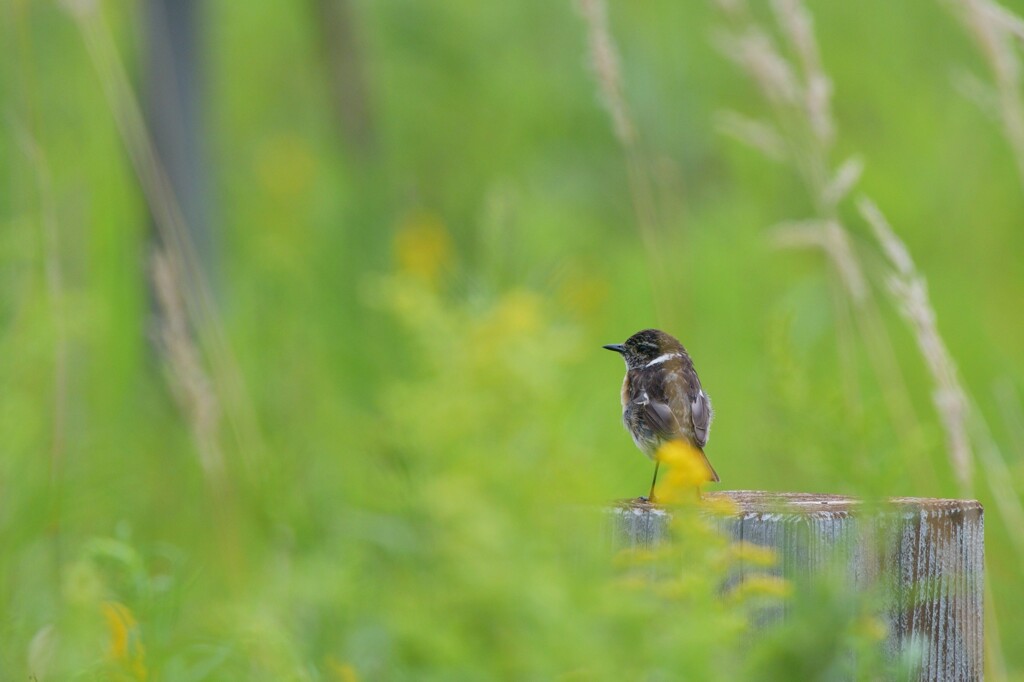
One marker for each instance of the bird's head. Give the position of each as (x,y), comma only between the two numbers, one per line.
(645,346)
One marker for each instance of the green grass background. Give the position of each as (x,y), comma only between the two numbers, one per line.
(406,501)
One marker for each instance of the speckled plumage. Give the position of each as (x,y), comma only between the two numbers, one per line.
(662,399)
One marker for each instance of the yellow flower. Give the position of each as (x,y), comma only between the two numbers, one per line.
(873,628)
(285,165)
(342,672)
(422,247)
(761,586)
(519,312)
(583,294)
(720,506)
(126,647)
(639,556)
(751,554)
(686,472)
(82,584)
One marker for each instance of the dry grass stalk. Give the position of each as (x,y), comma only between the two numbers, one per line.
(910,291)
(998,475)
(802,132)
(798,26)
(189,382)
(604,59)
(196,299)
(798,92)
(604,62)
(833,240)
(851,293)
(1000,481)
(995,29)
(954,406)
(803,121)
(757,134)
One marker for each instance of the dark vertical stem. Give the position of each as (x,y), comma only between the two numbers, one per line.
(174,112)
(346,73)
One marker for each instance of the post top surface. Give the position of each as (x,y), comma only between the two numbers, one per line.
(814,504)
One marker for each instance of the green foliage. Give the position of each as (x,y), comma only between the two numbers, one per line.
(419,429)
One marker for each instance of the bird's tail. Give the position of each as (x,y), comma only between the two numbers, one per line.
(711,470)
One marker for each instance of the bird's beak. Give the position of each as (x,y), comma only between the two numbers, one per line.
(617,347)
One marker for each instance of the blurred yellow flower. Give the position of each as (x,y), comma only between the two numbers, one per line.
(342,672)
(686,472)
(683,586)
(285,165)
(633,583)
(423,247)
(872,628)
(82,584)
(583,294)
(751,554)
(761,586)
(126,648)
(720,506)
(638,556)
(518,312)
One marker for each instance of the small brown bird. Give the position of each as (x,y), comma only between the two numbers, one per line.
(662,399)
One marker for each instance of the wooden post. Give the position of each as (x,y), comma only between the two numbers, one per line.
(929,552)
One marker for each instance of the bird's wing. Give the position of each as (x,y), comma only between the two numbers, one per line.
(656,414)
(700,413)
(661,419)
(666,422)
(691,401)
(700,408)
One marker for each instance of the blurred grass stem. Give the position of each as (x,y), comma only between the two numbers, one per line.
(186,376)
(58,315)
(605,63)
(910,292)
(195,294)
(995,30)
(953,405)
(797,91)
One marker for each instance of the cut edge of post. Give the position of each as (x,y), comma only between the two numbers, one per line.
(761,501)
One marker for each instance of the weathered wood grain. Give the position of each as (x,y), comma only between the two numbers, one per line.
(927,553)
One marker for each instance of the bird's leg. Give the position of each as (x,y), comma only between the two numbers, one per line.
(650,498)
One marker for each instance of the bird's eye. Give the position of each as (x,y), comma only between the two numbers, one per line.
(646,345)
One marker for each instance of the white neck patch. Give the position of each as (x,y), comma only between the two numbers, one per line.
(660,359)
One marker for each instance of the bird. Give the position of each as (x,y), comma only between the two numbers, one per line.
(662,399)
